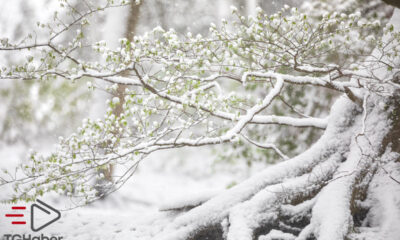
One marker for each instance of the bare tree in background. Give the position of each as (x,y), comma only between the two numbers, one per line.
(120,92)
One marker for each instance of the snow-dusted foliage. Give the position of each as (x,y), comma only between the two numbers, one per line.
(190,90)
(29,104)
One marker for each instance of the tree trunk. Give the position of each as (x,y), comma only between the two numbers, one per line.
(132,22)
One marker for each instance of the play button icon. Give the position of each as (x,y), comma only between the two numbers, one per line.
(43,215)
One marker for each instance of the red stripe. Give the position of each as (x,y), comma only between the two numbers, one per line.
(14,215)
(18,223)
(18,208)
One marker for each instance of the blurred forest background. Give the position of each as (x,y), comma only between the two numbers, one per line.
(34,113)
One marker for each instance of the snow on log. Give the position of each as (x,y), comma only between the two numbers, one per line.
(263,207)
(331,215)
(335,139)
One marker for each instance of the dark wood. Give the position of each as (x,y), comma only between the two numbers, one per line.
(395,3)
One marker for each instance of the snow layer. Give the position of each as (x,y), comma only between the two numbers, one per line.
(384,197)
(331,214)
(215,210)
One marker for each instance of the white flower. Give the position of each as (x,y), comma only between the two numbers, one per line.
(234,9)
(115,100)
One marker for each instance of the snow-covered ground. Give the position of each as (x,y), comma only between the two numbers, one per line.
(169,179)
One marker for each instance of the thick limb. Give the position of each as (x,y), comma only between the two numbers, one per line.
(312,195)
(214,211)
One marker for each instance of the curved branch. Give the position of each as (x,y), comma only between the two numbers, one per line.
(316,81)
(266,146)
(215,210)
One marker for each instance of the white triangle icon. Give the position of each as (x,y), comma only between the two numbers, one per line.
(43,215)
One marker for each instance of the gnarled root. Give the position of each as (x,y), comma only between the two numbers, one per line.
(317,194)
